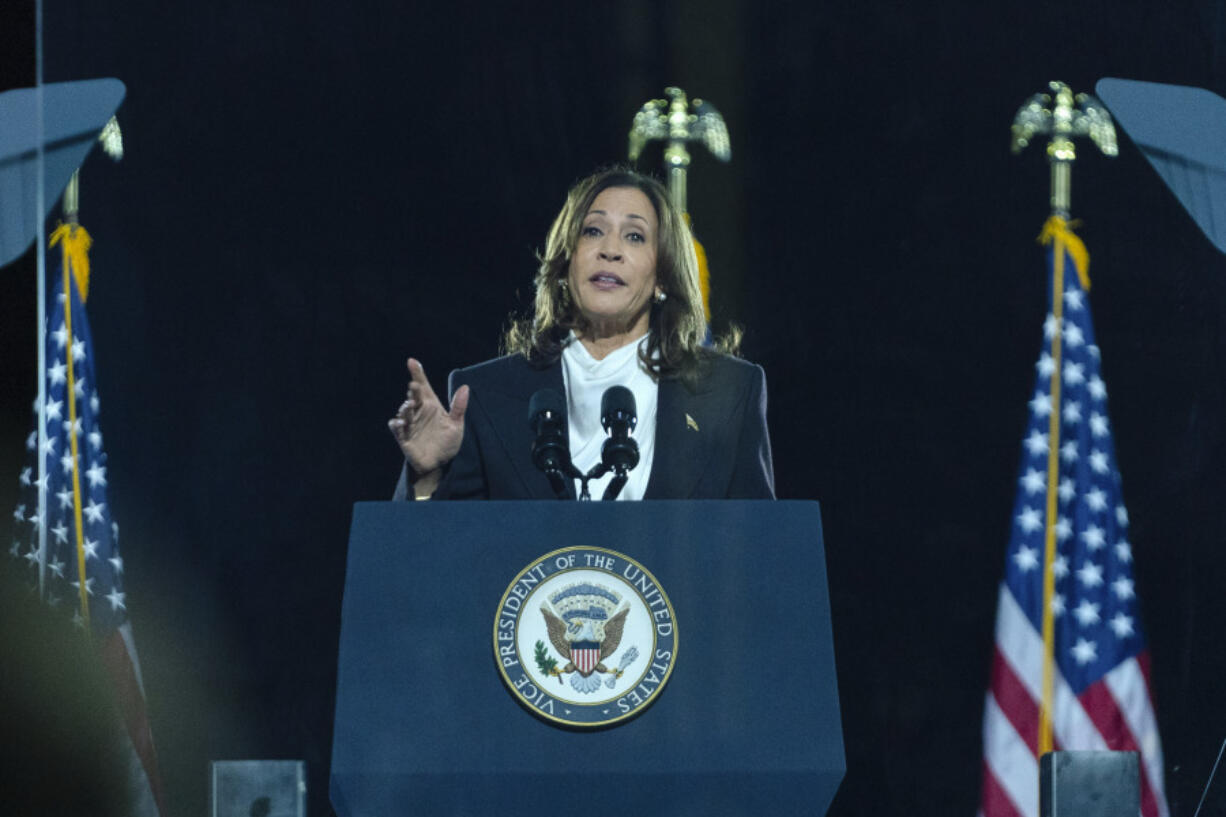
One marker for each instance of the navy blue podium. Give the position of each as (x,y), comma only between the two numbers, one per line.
(747,724)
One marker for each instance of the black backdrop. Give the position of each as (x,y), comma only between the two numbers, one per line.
(314,191)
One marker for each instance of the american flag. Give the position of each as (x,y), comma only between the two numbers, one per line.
(1100,693)
(73,490)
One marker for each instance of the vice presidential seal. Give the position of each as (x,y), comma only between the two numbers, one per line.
(585,637)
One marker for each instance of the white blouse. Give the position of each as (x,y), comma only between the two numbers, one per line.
(586,379)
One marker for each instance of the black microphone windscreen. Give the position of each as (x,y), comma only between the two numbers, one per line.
(617,400)
(546,400)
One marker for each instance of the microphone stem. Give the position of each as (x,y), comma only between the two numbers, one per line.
(615,486)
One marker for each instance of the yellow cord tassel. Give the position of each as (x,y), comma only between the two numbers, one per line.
(1058,234)
(1056,227)
(704,272)
(704,278)
(76,244)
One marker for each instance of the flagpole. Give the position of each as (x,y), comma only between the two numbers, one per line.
(676,157)
(1080,115)
(40,298)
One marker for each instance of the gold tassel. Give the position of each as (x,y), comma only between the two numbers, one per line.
(75,242)
(704,278)
(704,273)
(1056,227)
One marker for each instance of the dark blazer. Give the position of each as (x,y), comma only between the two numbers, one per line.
(711,438)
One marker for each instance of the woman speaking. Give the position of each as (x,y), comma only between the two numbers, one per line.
(617,303)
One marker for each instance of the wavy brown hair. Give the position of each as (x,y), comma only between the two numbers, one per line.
(678,324)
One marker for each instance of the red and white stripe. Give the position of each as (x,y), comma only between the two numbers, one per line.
(123,667)
(586,659)
(1113,713)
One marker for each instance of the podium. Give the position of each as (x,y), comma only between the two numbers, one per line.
(747,723)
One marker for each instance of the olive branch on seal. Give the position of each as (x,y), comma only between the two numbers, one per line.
(545,661)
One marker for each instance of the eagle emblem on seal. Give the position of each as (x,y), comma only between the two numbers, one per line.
(585,623)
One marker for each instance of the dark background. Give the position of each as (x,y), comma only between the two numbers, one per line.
(313,191)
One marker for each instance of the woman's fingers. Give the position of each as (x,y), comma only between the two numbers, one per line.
(417,378)
(426,432)
(459,404)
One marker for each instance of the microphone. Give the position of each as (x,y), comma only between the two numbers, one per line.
(620,451)
(547,416)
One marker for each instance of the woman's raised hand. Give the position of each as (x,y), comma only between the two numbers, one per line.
(428,434)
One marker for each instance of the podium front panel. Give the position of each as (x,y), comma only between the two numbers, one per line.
(748,722)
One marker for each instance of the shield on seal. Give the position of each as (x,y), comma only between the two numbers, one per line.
(585,655)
